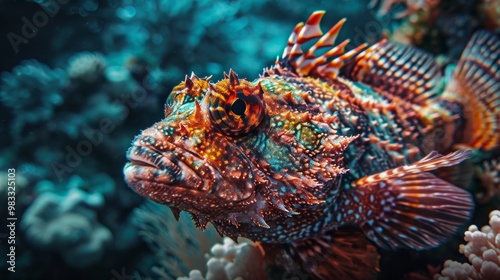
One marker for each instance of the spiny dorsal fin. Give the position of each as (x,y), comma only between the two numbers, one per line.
(476,85)
(307,63)
(397,70)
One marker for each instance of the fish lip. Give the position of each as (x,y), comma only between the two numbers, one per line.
(147,164)
(135,159)
(145,176)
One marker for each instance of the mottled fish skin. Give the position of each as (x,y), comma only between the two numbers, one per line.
(314,144)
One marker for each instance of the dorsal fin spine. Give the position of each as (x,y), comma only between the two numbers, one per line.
(311,29)
(292,39)
(306,63)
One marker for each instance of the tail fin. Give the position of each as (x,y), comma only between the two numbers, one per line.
(476,86)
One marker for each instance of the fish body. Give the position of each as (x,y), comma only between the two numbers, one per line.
(320,143)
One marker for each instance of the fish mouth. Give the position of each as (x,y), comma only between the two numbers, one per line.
(147,165)
(176,176)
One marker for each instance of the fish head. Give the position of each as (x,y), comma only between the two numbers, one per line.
(234,151)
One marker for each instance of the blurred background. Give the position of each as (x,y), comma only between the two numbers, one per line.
(80,78)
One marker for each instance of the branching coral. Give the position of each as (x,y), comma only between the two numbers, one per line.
(233,261)
(482,250)
(178,245)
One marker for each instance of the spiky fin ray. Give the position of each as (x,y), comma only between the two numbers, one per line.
(408,207)
(311,29)
(476,85)
(292,39)
(425,212)
(397,70)
(344,254)
(308,64)
(432,161)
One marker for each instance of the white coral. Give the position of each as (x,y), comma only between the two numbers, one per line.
(233,261)
(87,67)
(482,250)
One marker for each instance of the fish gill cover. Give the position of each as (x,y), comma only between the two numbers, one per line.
(80,79)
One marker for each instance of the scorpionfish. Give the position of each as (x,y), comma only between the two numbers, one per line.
(329,156)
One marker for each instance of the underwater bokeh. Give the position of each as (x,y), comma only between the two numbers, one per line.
(80,79)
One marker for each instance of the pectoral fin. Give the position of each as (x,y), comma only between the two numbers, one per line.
(408,206)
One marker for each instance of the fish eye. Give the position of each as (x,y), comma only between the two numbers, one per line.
(236,106)
(239,107)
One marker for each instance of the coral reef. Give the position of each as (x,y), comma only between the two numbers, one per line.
(68,225)
(87,66)
(230,260)
(482,250)
(78,222)
(61,119)
(178,246)
(38,91)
